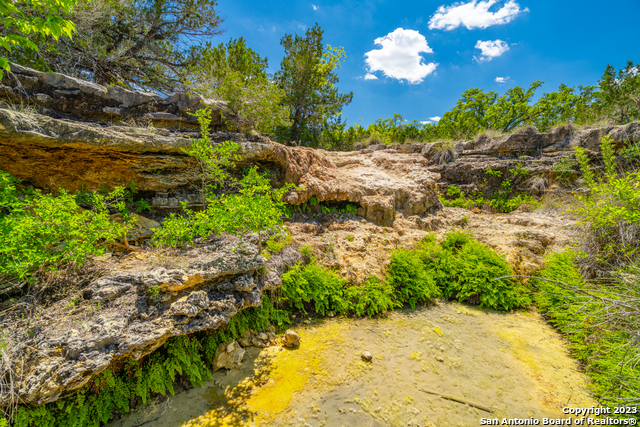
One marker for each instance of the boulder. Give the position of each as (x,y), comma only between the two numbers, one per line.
(291,339)
(228,356)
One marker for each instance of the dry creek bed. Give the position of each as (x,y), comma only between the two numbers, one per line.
(512,364)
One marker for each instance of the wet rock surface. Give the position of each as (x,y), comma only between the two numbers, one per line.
(132,311)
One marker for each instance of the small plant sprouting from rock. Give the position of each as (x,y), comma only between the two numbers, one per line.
(154,293)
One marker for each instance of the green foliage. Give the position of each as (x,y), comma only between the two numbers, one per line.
(43,231)
(618,97)
(495,173)
(456,240)
(351,238)
(602,346)
(214,160)
(563,169)
(372,297)
(277,242)
(611,212)
(502,200)
(474,279)
(312,286)
(237,75)
(129,43)
(303,285)
(41,18)
(257,207)
(306,252)
(460,268)
(409,278)
(307,76)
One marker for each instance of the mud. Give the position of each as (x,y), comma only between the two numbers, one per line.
(510,364)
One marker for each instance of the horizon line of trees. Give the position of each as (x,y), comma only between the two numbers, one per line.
(140,44)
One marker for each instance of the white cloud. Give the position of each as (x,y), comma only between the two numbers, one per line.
(474,14)
(302,26)
(400,56)
(314,7)
(490,49)
(432,120)
(370,76)
(502,80)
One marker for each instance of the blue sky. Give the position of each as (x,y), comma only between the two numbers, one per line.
(421,55)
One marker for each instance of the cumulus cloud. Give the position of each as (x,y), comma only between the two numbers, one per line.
(502,80)
(400,56)
(370,76)
(490,49)
(314,7)
(474,14)
(432,120)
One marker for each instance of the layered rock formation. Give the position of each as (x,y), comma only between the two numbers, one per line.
(49,151)
(63,96)
(132,311)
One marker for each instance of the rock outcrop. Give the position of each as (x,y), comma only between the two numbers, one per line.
(132,311)
(53,153)
(63,96)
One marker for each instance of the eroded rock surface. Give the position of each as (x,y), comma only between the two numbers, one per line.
(52,153)
(59,95)
(131,312)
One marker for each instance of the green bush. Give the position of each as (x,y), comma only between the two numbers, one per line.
(461,268)
(372,297)
(408,277)
(474,279)
(311,283)
(610,215)
(313,286)
(599,336)
(43,231)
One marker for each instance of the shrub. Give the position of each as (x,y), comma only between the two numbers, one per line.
(372,297)
(409,278)
(303,286)
(600,323)
(43,231)
(464,269)
(456,240)
(474,279)
(610,215)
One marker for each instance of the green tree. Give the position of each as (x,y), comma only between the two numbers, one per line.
(39,18)
(619,93)
(132,43)
(236,74)
(307,76)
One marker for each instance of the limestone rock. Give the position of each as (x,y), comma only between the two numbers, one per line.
(366,356)
(291,339)
(60,94)
(130,313)
(40,150)
(228,356)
